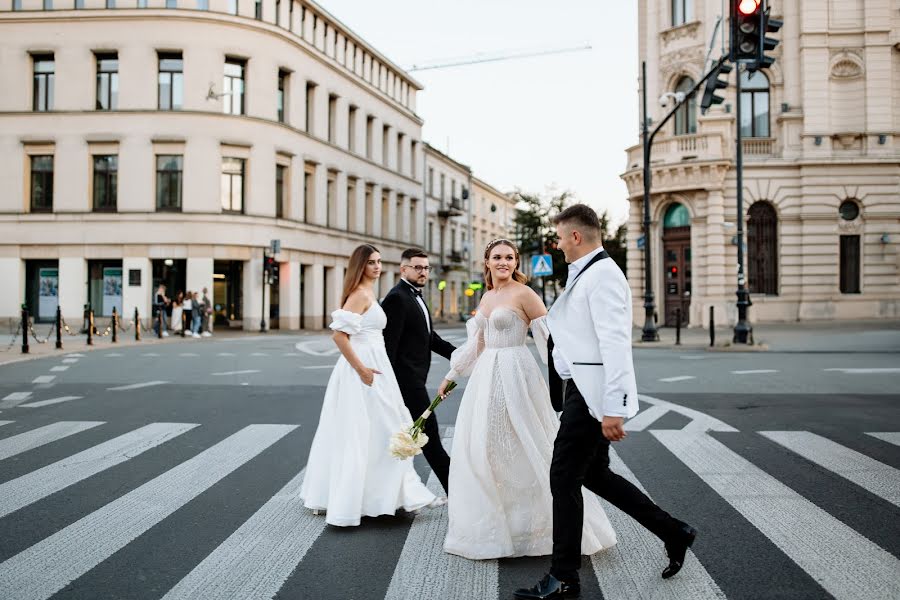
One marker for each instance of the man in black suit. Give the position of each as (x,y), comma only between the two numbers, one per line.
(410,339)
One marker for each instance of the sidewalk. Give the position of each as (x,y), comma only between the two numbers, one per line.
(807,336)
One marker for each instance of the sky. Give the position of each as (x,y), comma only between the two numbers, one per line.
(543,125)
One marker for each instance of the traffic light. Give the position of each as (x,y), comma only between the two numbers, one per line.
(714,84)
(769,25)
(270,268)
(746,30)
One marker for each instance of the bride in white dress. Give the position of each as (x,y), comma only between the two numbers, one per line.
(350,473)
(499,501)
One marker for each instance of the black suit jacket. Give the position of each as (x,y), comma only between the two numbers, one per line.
(408,338)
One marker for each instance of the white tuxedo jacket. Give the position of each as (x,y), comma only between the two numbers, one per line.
(591,327)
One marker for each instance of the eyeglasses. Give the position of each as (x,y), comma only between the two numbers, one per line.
(419,268)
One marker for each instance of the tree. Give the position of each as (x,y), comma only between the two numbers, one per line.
(535,234)
(614,244)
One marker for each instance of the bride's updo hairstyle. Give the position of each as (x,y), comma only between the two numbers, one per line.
(517,274)
(356,269)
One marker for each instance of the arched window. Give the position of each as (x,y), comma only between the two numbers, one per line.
(682,12)
(754,104)
(762,249)
(676,216)
(686,116)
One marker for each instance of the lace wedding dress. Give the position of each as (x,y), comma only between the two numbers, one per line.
(350,472)
(499,501)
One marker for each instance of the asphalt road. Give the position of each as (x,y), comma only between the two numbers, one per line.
(171,471)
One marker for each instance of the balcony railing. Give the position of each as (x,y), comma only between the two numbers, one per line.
(758,147)
(454,208)
(678,148)
(454,257)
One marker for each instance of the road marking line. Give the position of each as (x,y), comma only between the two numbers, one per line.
(630,568)
(236,372)
(35,438)
(75,355)
(679,378)
(188,354)
(841,560)
(864,371)
(645,418)
(135,386)
(150,354)
(256,560)
(2,423)
(49,402)
(306,348)
(292,354)
(692,357)
(891,437)
(699,420)
(318,367)
(112,355)
(30,488)
(14,399)
(50,565)
(225,354)
(868,473)
(259,354)
(60,368)
(754,372)
(70,360)
(44,378)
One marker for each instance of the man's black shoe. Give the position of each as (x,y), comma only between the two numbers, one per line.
(678,549)
(549,588)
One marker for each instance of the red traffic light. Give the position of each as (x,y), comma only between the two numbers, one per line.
(674,270)
(748,7)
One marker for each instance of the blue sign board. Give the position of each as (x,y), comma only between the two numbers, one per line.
(541,264)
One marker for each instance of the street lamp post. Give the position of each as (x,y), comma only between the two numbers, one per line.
(743,331)
(650,332)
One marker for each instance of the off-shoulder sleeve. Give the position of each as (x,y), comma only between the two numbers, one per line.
(346,321)
(541,334)
(463,359)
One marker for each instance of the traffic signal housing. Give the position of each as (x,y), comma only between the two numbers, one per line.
(769,25)
(746,31)
(714,84)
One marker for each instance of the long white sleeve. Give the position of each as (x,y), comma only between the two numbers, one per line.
(541,334)
(463,359)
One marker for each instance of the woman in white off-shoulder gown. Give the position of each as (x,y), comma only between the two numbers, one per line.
(350,473)
(499,501)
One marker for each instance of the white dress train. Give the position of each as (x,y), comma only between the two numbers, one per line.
(350,472)
(499,501)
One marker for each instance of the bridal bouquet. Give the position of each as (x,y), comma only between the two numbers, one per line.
(409,442)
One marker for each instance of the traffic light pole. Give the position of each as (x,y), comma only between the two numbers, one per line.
(262,320)
(650,332)
(743,331)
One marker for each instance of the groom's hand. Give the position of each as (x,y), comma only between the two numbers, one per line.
(613,428)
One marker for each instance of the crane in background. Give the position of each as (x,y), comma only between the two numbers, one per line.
(485,58)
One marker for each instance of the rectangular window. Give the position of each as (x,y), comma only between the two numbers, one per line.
(169,168)
(44,73)
(106,172)
(233,6)
(282,87)
(310,105)
(110,3)
(385,139)
(171,81)
(850,264)
(401,140)
(42,183)
(370,132)
(48,4)
(443,187)
(140,3)
(171,3)
(431,236)
(352,212)
(351,128)
(309,192)
(278,13)
(233,87)
(331,200)
(332,118)
(280,175)
(107,81)
(431,180)
(682,12)
(17,5)
(202,4)
(258,10)
(233,185)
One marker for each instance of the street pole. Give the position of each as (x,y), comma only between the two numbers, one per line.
(743,331)
(650,333)
(262,320)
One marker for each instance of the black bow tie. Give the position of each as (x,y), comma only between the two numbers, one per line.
(416,291)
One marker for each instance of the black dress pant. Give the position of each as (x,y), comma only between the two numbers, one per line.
(417,401)
(581,458)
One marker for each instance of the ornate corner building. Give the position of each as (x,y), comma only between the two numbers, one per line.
(821,148)
(170,141)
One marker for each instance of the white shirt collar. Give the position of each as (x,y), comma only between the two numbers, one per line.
(576,266)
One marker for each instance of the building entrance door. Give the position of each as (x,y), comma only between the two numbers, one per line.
(677,277)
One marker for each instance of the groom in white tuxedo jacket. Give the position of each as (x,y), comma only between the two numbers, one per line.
(590,347)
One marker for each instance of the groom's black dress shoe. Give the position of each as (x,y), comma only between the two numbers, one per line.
(549,588)
(676,550)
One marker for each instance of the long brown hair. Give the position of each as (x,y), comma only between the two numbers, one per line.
(517,274)
(356,269)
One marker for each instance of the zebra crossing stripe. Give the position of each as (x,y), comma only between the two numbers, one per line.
(425,567)
(891,437)
(42,435)
(25,490)
(868,473)
(645,418)
(49,402)
(631,568)
(2,423)
(841,560)
(699,421)
(47,567)
(256,560)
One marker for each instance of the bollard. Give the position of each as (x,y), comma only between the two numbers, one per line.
(712,327)
(115,325)
(24,329)
(677,326)
(90,340)
(58,328)
(137,325)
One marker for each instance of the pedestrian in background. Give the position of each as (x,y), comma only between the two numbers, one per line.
(196,315)
(177,313)
(159,304)
(207,314)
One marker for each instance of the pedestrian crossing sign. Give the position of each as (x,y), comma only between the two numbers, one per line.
(541,264)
